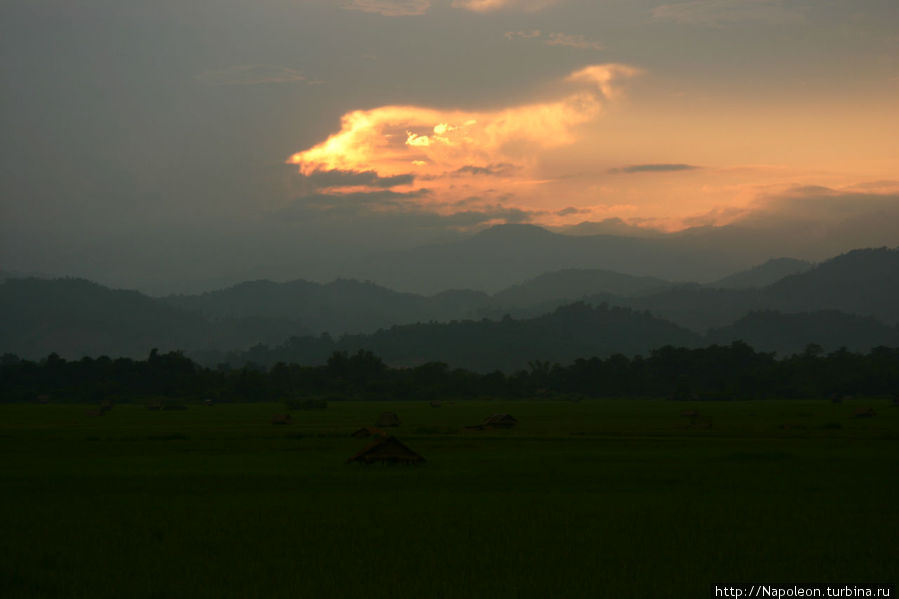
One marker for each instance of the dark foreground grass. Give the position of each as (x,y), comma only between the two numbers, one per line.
(588,499)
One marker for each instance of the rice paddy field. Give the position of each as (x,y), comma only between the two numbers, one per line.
(600,498)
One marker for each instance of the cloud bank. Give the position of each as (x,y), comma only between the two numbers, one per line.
(717,13)
(391,8)
(653,168)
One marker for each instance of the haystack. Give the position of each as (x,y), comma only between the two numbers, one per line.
(389,450)
(387,419)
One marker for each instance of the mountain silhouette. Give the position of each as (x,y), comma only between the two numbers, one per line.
(566,334)
(790,333)
(763,275)
(75,317)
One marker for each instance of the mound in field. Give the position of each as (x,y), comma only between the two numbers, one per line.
(388,419)
(387,449)
(496,421)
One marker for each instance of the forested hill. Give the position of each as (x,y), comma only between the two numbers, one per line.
(571,332)
(862,282)
(338,307)
(764,274)
(716,372)
(74,318)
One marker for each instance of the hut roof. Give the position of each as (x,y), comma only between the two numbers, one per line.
(387,449)
(388,419)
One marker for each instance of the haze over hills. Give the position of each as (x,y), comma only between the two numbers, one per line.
(573,284)
(764,274)
(338,307)
(566,334)
(863,282)
(76,317)
(504,255)
(791,333)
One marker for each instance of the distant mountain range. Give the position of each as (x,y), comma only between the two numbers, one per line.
(764,274)
(505,255)
(852,299)
(74,318)
(570,332)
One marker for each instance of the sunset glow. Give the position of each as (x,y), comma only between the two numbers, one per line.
(481,157)
(300,135)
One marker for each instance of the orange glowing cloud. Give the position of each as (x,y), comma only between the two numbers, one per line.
(489,5)
(486,154)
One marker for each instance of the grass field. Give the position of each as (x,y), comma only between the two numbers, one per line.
(581,499)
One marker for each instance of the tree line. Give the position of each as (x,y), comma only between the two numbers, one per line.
(717,372)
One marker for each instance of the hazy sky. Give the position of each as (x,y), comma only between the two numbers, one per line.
(159,140)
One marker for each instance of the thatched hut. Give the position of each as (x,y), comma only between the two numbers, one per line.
(389,450)
(368,431)
(281,419)
(387,419)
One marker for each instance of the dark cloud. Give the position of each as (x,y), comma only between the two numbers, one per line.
(340,178)
(353,202)
(398,208)
(825,204)
(612,226)
(653,168)
(571,210)
(470,218)
(492,170)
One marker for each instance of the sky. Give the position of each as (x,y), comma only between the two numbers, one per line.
(156,143)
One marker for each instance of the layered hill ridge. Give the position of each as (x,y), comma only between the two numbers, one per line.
(764,274)
(75,317)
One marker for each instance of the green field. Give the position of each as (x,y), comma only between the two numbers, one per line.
(581,499)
